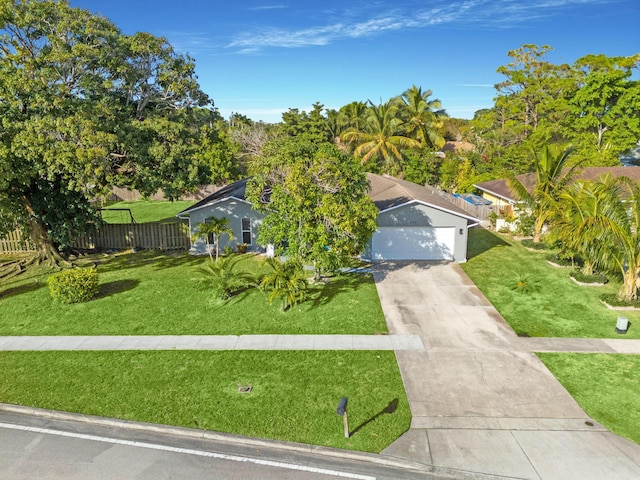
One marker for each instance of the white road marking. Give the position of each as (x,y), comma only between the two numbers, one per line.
(187,451)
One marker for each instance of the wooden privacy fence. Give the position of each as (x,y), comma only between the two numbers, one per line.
(120,236)
(14,242)
(163,236)
(481,212)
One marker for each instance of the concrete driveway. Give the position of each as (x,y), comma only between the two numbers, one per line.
(480,399)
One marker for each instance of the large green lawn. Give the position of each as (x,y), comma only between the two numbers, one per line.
(294,396)
(537,299)
(294,393)
(151,293)
(144,211)
(607,387)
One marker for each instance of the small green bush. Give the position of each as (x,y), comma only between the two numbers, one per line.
(74,285)
(613,300)
(564,261)
(529,243)
(582,278)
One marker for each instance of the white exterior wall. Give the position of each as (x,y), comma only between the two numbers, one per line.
(234,210)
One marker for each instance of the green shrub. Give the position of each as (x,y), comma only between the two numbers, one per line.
(224,278)
(525,224)
(529,243)
(582,278)
(74,285)
(614,300)
(493,218)
(564,261)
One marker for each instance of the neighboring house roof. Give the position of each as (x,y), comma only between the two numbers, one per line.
(388,192)
(500,188)
(458,146)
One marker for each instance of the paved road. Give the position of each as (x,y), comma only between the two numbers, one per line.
(39,447)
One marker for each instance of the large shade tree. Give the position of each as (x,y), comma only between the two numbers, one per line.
(315,200)
(84,107)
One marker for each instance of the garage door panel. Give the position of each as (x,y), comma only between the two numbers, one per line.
(413,243)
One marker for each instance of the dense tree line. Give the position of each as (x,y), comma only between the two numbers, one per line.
(84,107)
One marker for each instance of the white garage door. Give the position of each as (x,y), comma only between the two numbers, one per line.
(413,243)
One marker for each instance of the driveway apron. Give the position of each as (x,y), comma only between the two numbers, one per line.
(481,400)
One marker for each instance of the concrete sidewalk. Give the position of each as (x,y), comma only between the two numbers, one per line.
(214,342)
(583,345)
(481,400)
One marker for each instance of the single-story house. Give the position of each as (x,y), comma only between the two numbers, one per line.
(415,223)
(500,193)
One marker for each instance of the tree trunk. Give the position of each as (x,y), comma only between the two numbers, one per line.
(629,290)
(587,269)
(46,251)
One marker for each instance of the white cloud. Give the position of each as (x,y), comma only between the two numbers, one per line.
(267,7)
(490,14)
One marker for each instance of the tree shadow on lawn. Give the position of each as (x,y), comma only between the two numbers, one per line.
(482,240)
(31,287)
(113,288)
(158,259)
(323,294)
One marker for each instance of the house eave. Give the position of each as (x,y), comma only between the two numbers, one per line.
(210,204)
(427,204)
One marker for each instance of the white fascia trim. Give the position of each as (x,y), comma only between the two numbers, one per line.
(457,214)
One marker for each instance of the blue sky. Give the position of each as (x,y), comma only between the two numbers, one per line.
(260,58)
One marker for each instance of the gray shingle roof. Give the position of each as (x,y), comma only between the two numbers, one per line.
(386,192)
(501,187)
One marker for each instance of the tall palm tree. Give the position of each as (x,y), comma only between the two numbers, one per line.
(216,227)
(423,116)
(573,224)
(553,174)
(382,138)
(353,115)
(608,230)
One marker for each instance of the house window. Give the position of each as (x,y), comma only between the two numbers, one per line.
(246,230)
(211,238)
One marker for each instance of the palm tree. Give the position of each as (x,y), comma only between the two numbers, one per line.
(224,278)
(216,227)
(553,175)
(423,117)
(382,138)
(573,224)
(352,115)
(609,227)
(286,281)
